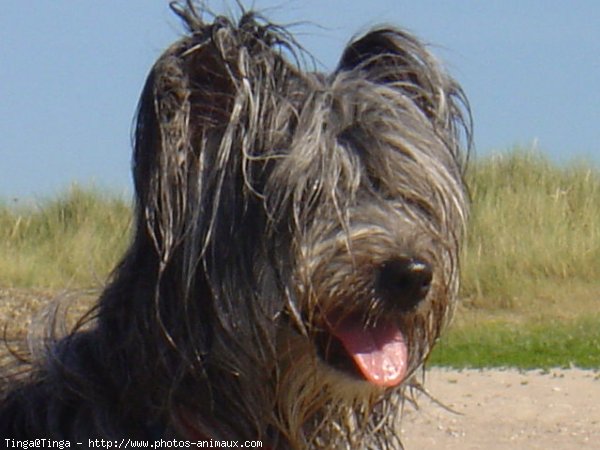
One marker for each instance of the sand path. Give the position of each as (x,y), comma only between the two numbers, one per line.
(506,409)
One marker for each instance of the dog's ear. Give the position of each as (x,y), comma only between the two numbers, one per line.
(395,58)
(184,110)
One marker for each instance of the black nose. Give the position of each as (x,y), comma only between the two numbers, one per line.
(404,282)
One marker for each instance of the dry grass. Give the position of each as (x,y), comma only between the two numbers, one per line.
(534,239)
(72,241)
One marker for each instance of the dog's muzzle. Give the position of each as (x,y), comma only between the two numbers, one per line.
(378,349)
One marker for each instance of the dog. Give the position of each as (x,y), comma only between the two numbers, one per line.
(295,249)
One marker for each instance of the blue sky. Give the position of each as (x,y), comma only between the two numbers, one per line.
(71,73)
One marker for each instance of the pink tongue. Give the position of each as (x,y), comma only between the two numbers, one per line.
(379,352)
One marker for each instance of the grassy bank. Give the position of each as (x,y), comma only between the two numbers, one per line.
(535,230)
(531,266)
(71,241)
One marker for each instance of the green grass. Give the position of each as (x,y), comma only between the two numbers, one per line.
(525,346)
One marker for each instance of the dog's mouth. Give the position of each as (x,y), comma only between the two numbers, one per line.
(377,353)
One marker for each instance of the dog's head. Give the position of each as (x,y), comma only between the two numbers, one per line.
(295,221)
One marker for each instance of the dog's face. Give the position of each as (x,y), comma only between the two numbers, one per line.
(311,223)
(372,180)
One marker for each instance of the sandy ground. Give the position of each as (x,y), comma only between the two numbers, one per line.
(506,409)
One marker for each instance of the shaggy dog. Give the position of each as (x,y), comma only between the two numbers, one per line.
(294,256)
